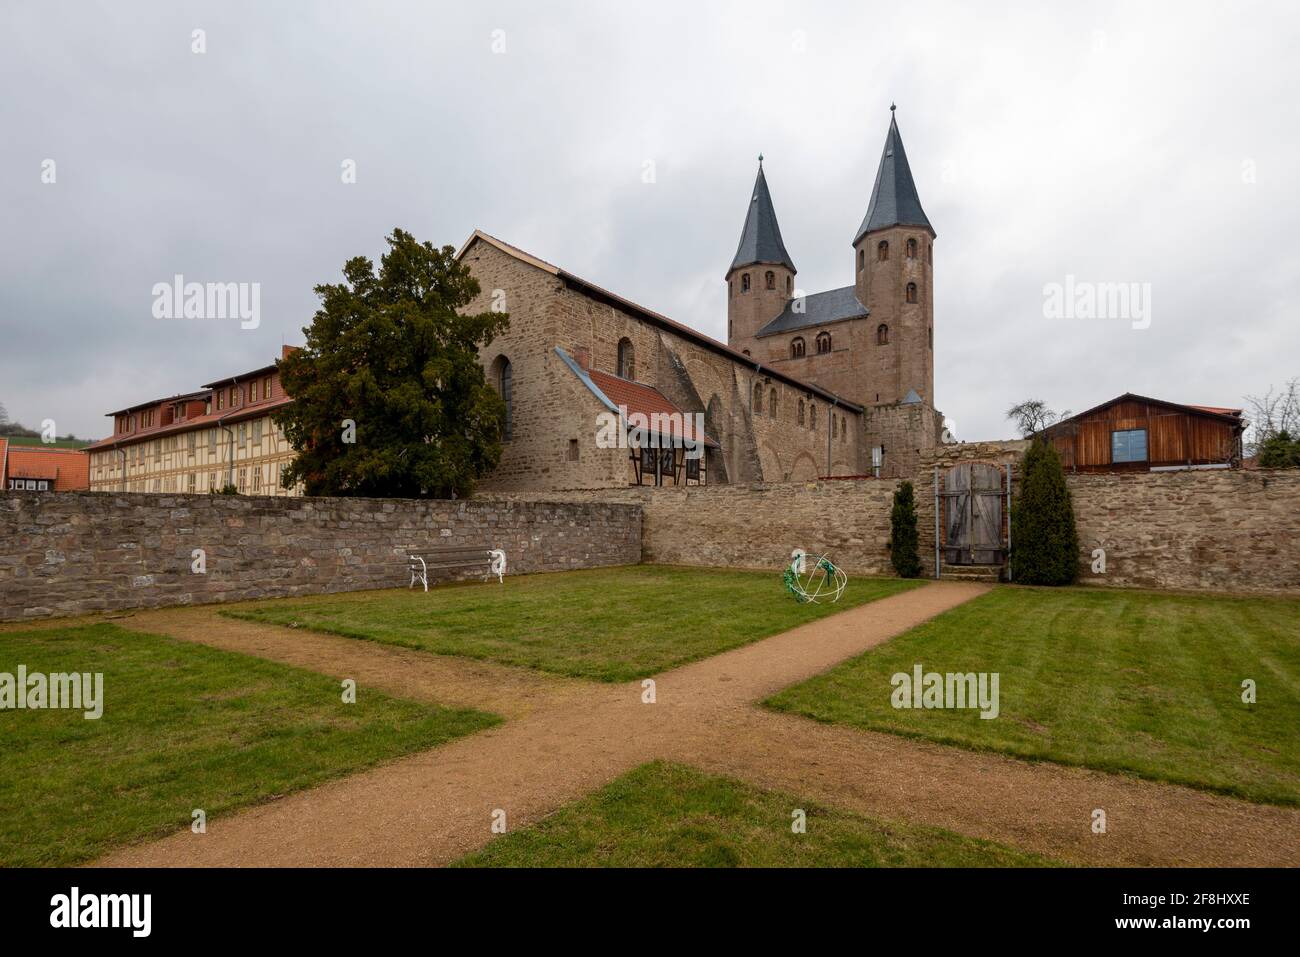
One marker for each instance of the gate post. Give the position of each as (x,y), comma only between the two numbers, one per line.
(1008,521)
(936,522)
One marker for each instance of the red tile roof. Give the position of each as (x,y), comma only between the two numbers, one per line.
(647,400)
(68,469)
(1216,409)
(247,411)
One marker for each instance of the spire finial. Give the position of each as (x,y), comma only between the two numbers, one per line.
(892,107)
(760,160)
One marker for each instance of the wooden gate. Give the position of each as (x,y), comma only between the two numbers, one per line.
(974,523)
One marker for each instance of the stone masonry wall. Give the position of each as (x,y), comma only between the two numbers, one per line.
(757,526)
(1229,530)
(77,552)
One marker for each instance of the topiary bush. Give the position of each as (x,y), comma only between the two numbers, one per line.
(903,537)
(1044,543)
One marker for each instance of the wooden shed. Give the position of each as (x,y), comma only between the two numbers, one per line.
(1138,433)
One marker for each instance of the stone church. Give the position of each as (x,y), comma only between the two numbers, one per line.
(830,384)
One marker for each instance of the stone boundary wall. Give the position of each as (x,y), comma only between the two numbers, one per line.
(1214,530)
(76,552)
(756,526)
(1231,530)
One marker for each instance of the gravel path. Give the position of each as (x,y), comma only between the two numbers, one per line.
(566,738)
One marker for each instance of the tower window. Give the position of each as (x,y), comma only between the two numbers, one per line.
(882,335)
(844,429)
(771,404)
(929,254)
(834,427)
(744,282)
(862,259)
(797,348)
(930,336)
(882,250)
(823,342)
(911,292)
(758,397)
(626,359)
(770,278)
(812,416)
(789,285)
(911,249)
(801,412)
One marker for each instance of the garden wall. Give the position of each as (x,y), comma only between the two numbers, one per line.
(757,526)
(1236,530)
(75,552)
(1228,530)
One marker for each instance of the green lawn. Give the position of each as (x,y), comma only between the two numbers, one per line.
(183,727)
(610,624)
(666,815)
(1126,681)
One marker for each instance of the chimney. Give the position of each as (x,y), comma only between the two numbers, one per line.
(582,356)
(285,351)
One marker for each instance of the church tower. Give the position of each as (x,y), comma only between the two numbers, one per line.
(761,279)
(893,262)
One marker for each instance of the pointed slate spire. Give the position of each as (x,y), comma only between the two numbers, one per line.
(760,240)
(893,199)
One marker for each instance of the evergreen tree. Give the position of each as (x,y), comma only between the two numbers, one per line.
(1280,452)
(389,398)
(903,537)
(1044,543)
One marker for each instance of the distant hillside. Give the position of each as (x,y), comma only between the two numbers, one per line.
(59,443)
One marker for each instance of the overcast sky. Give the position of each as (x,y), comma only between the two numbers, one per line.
(1154,144)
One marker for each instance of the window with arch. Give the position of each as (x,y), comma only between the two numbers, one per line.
(801,412)
(911,249)
(758,397)
(882,250)
(770,279)
(504,377)
(812,416)
(744,282)
(844,429)
(789,285)
(862,259)
(929,254)
(797,348)
(771,403)
(911,292)
(626,359)
(823,342)
(882,335)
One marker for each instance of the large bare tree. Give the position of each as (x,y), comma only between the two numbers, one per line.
(1033,415)
(1276,411)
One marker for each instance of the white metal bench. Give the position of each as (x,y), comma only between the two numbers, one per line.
(421,563)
